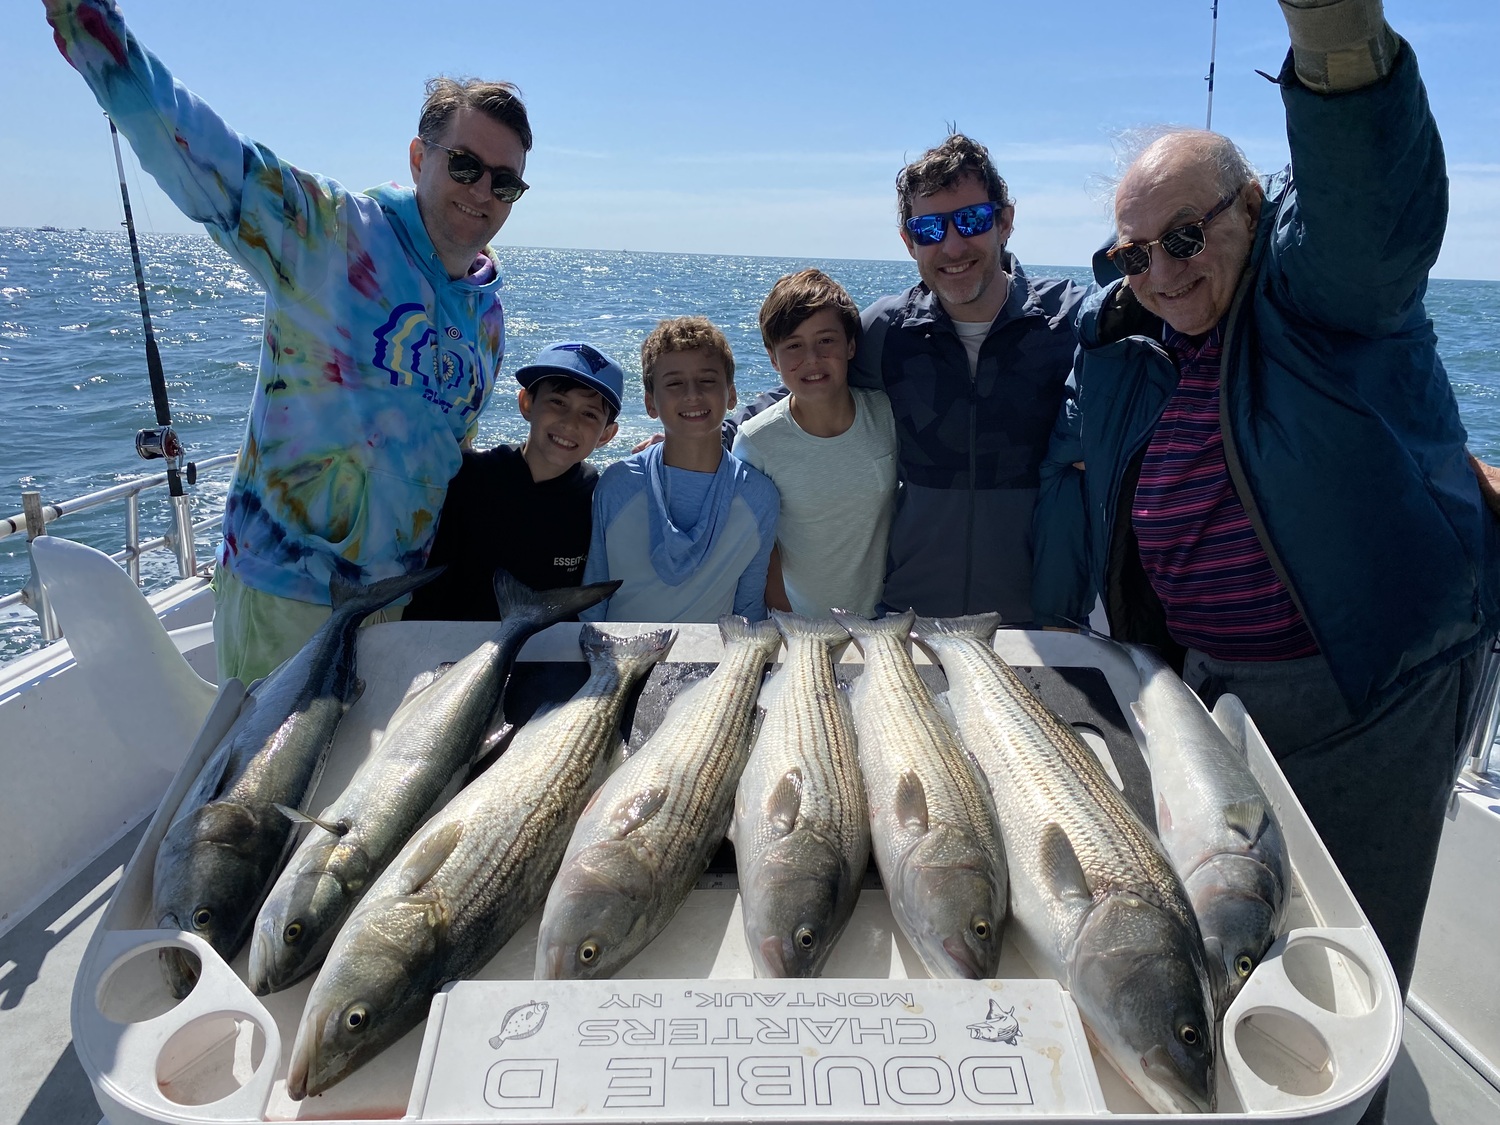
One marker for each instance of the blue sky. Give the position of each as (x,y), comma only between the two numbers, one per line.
(737,128)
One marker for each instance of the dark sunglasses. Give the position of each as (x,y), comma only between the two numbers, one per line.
(1186,241)
(466,168)
(928,230)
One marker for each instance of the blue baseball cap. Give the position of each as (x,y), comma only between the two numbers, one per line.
(583,363)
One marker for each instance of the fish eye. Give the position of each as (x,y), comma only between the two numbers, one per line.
(982,928)
(202,917)
(356,1018)
(588,952)
(1189,1035)
(292,934)
(805,938)
(1243,965)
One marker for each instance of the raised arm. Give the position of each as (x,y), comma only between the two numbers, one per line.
(263,212)
(1355,244)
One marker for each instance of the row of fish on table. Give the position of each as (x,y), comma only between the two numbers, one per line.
(986,814)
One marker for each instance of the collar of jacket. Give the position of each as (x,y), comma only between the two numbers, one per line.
(399,205)
(923,309)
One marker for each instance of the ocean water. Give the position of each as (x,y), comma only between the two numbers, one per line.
(74,390)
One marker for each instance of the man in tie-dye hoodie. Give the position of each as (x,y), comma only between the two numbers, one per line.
(356,424)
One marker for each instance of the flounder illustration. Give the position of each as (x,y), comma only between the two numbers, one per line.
(521,1022)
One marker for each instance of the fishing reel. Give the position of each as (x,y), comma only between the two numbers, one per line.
(158,442)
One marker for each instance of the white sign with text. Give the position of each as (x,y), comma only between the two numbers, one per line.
(639,1050)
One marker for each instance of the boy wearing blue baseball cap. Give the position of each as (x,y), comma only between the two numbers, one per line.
(527,509)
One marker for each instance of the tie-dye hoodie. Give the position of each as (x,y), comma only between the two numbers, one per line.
(353,434)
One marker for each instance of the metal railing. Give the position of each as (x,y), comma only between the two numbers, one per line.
(180,540)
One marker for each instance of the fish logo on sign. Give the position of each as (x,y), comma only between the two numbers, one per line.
(1000,1026)
(521,1022)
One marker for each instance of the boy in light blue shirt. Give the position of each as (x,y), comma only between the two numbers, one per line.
(685,525)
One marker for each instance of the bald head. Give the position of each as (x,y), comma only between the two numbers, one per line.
(1178,179)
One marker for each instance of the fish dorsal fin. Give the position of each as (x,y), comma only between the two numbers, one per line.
(1230,715)
(1247,817)
(337,827)
(1060,867)
(996,1012)
(911,802)
(784,802)
(637,810)
(429,856)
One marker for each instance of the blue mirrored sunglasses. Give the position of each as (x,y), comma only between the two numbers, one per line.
(928,230)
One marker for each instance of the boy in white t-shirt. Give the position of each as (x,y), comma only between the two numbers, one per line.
(829,448)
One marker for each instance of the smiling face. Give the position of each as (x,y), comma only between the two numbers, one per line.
(462,218)
(963,272)
(1173,183)
(568,422)
(813,360)
(690,393)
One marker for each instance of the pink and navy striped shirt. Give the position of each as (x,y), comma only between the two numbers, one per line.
(1215,581)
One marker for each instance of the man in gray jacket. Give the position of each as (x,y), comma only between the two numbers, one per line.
(974,360)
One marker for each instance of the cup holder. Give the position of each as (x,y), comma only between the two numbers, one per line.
(1329,977)
(135,990)
(1285,1051)
(208,1059)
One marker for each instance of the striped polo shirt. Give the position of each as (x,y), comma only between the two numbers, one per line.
(1202,557)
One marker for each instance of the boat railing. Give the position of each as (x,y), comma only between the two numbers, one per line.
(180,539)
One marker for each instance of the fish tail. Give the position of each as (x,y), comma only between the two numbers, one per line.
(632,655)
(762,634)
(863,628)
(359,600)
(513,596)
(980,626)
(824,629)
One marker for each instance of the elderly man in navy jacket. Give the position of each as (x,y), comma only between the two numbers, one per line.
(1260,467)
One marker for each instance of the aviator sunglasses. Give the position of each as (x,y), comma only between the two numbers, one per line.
(1186,241)
(466,168)
(928,230)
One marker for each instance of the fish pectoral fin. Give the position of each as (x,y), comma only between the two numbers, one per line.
(784,802)
(639,809)
(429,857)
(911,802)
(1248,818)
(337,827)
(1060,866)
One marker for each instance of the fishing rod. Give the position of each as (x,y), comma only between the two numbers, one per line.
(160,441)
(1213,50)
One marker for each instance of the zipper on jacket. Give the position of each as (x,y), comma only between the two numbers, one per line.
(1236,470)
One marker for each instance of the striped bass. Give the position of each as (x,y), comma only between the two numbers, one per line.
(1094,901)
(470,876)
(654,825)
(932,819)
(801,826)
(438,731)
(228,838)
(1216,825)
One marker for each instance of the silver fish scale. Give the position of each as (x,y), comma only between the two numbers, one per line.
(900,731)
(1042,772)
(695,758)
(805,729)
(511,816)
